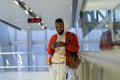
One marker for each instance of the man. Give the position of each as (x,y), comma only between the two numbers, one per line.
(59,46)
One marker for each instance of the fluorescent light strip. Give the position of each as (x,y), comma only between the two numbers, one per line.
(16,3)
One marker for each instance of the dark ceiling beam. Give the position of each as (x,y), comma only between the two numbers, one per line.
(11,25)
(81,13)
(24,6)
(74,10)
(84,2)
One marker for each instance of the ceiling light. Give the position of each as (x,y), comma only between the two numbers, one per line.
(16,2)
(30,12)
(27,8)
(39,24)
(43,26)
(26,12)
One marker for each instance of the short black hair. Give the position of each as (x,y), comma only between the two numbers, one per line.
(58,20)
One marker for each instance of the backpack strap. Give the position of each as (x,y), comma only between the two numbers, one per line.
(69,38)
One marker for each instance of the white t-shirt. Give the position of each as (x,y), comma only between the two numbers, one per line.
(59,54)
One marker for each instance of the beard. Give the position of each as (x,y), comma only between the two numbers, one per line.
(60,32)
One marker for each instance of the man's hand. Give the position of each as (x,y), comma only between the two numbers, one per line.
(54,45)
(58,44)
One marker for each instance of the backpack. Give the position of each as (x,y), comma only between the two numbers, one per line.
(73,58)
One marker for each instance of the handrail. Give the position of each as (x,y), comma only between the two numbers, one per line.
(20,59)
(109,59)
(5,22)
(19,53)
(24,67)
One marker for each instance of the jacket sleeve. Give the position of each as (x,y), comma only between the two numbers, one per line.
(73,45)
(50,50)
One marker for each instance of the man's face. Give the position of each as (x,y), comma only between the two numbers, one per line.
(59,28)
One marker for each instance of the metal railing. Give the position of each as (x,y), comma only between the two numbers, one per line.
(101,65)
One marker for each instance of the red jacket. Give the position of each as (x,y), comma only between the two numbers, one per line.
(71,45)
(106,41)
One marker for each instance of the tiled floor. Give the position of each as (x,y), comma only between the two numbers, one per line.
(25,76)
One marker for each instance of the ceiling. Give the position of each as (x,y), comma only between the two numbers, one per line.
(49,10)
(101,5)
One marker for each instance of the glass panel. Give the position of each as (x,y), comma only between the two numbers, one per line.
(94,28)
(23,66)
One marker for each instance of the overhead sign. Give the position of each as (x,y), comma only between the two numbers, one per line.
(34,20)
